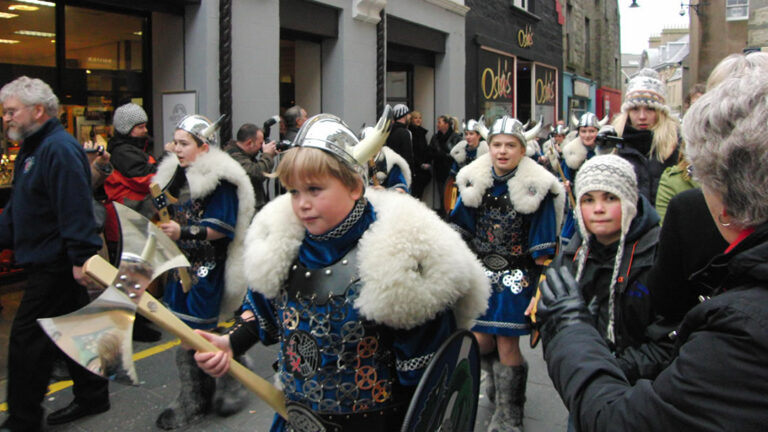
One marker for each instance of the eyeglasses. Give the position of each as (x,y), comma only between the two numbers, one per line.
(12,112)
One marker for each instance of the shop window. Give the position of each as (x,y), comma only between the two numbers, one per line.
(736,10)
(104,65)
(27,37)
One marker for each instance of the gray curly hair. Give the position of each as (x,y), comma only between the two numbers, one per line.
(31,91)
(725,133)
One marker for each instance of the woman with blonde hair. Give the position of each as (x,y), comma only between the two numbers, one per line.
(646,126)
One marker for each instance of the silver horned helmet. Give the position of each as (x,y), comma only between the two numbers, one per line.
(588,119)
(330,134)
(479,127)
(201,128)
(511,126)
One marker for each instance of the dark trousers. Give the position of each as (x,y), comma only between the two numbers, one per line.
(31,352)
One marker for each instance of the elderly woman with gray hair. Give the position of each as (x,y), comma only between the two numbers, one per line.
(718,379)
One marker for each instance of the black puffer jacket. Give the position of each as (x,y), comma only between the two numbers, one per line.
(641,343)
(716,382)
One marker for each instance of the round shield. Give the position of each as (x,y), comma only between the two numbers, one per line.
(446,397)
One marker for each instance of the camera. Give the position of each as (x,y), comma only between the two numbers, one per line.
(283,145)
(268,125)
(98,150)
(607,140)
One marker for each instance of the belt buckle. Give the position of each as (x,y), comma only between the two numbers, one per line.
(495,262)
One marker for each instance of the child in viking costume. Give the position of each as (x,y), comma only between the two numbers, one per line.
(388,170)
(472,146)
(209,221)
(509,211)
(360,289)
(575,153)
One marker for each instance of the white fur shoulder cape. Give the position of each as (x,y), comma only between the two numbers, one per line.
(459,151)
(527,188)
(575,153)
(392,159)
(203,176)
(412,264)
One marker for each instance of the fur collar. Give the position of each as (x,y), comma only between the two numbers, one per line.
(412,264)
(532,148)
(392,159)
(459,151)
(575,153)
(527,188)
(550,151)
(203,177)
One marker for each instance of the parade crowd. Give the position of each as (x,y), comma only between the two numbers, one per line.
(635,248)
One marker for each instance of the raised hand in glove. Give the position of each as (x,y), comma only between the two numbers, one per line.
(561,304)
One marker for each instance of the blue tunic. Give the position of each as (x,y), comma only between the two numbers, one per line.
(199,308)
(331,359)
(508,242)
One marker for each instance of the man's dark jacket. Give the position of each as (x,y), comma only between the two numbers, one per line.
(49,217)
(255,168)
(400,141)
(717,380)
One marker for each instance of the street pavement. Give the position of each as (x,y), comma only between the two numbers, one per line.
(135,408)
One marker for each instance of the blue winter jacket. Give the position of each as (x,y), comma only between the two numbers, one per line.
(49,220)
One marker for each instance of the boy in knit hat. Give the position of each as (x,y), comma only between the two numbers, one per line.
(611,254)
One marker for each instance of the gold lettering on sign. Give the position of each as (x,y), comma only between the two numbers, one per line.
(497,84)
(525,37)
(545,89)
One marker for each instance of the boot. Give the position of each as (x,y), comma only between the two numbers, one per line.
(195,394)
(510,397)
(231,396)
(486,368)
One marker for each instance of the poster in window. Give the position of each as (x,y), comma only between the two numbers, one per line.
(545,93)
(177,105)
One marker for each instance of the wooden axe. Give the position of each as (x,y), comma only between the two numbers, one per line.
(98,336)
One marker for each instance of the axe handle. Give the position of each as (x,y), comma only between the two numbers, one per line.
(153,310)
(186,282)
(103,272)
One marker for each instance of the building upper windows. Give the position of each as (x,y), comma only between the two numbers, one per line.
(522,4)
(736,10)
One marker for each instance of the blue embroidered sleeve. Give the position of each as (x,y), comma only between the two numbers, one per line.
(463,216)
(542,237)
(221,210)
(415,348)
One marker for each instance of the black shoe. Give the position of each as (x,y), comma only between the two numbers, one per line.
(74,411)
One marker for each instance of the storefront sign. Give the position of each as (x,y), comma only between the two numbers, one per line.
(525,37)
(497,83)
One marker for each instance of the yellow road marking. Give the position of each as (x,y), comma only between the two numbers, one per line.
(61,385)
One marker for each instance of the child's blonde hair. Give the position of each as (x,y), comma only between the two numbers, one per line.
(303,164)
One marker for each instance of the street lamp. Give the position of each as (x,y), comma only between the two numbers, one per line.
(693,6)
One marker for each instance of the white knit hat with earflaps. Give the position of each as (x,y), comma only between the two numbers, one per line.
(609,173)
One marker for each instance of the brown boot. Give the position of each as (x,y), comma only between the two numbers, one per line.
(510,397)
(195,394)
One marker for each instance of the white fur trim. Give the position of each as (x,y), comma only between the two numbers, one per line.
(527,188)
(459,151)
(574,153)
(532,148)
(393,159)
(411,263)
(553,155)
(204,176)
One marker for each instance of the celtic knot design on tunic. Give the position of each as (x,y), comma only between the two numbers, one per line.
(303,355)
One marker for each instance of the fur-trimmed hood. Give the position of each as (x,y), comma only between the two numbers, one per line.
(393,159)
(527,188)
(459,151)
(203,177)
(575,153)
(412,264)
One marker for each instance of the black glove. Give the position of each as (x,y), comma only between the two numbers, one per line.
(561,304)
